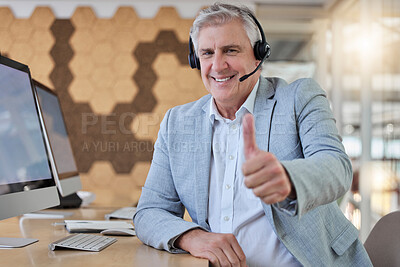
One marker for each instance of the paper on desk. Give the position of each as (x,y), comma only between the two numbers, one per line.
(47,214)
(94,226)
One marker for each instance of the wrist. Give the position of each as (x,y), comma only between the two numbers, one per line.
(292,195)
(184,240)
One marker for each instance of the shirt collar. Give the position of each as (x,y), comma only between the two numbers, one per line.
(248,105)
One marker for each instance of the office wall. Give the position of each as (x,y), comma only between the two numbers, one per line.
(116,77)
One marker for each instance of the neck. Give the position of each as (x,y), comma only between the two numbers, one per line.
(229,112)
(228,109)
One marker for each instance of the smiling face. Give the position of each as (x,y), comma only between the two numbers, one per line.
(226,54)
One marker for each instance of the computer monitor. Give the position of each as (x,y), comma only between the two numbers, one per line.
(26,180)
(59,147)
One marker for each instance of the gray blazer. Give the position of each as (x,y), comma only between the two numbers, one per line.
(294,122)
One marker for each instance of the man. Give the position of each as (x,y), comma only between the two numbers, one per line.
(263,194)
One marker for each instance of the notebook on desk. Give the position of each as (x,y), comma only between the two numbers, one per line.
(126,213)
(94,226)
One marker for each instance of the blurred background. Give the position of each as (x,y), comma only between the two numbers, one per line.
(118,66)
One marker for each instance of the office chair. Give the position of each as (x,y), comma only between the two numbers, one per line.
(383,243)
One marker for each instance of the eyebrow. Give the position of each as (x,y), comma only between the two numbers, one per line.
(225,47)
(231,46)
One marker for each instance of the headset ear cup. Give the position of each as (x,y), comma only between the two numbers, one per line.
(194,61)
(257,50)
(191,61)
(261,50)
(267,50)
(197,60)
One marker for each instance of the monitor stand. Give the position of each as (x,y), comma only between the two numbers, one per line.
(71,201)
(11,242)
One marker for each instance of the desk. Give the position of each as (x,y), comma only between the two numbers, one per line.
(127,251)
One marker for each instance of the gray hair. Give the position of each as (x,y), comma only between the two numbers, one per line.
(219,14)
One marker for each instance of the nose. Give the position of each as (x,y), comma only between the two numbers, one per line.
(219,62)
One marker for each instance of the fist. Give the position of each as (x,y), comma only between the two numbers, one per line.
(263,172)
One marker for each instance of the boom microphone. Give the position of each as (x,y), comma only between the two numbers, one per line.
(244,77)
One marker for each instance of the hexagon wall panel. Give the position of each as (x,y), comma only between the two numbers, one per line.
(115,78)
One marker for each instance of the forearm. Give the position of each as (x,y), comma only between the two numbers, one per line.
(319,180)
(159,228)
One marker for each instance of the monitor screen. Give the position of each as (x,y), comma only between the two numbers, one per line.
(26,179)
(63,163)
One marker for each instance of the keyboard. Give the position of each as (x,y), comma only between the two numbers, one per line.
(122,213)
(87,242)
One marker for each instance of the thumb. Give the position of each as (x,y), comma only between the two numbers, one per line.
(249,136)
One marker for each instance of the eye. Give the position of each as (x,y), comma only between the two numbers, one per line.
(232,51)
(206,53)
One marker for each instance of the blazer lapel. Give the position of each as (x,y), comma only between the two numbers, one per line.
(202,165)
(263,110)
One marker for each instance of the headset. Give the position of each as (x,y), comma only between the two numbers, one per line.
(262,50)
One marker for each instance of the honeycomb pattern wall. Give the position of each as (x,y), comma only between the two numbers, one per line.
(116,78)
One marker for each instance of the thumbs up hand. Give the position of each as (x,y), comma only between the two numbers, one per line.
(262,170)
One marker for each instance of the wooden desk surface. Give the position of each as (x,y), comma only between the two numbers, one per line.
(127,251)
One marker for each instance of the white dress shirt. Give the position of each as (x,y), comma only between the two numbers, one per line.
(232,207)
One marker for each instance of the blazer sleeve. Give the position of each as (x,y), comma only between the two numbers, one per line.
(324,173)
(159,217)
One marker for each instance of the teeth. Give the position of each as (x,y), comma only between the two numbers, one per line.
(222,80)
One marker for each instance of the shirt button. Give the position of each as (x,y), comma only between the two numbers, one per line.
(226,218)
(227,187)
(233,126)
(231,157)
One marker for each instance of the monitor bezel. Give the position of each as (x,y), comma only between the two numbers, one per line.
(70,182)
(17,203)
